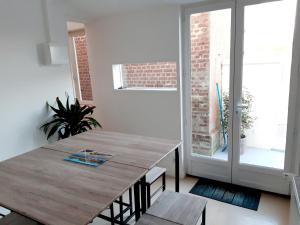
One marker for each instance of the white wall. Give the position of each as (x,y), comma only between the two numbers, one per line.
(144,36)
(25,85)
(295,103)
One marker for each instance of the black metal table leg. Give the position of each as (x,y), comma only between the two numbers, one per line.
(164,182)
(136,190)
(204,217)
(112,214)
(177,169)
(143,194)
(148,190)
(130,201)
(121,209)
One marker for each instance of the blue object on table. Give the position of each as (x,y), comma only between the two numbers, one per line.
(88,157)
(74,160)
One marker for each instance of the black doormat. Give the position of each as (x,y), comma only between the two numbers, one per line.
(229,193)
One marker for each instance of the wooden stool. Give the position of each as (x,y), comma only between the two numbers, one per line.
(179,208)
(17,219)
(153,175)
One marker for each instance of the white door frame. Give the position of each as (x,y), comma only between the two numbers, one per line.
(231,171)
(203,166)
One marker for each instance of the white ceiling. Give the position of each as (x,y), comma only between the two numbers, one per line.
(96,8)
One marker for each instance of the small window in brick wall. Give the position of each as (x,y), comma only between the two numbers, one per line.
(145,76)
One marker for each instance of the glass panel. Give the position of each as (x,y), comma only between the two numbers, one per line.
(210,34)
(268,42)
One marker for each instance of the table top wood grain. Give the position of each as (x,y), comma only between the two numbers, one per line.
(42,186)
(134,150)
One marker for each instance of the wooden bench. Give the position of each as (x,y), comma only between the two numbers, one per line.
(17,219)
(147,219)
(175,208)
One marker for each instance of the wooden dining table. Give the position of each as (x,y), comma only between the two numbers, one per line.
(42,186)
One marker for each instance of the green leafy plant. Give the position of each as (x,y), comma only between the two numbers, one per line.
(70,120)
(247,119)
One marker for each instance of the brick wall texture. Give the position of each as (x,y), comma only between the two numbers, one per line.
(200,81)
(80,44)
(205,124)
(150,75)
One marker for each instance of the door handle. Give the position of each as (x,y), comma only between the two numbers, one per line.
(239,107)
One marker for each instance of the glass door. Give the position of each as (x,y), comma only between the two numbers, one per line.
(236,88)
(209,33)
(263,65)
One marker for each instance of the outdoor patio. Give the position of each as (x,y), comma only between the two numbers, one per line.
(255,156)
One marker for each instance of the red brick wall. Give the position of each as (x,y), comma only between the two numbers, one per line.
(83,67)
(200,75)
(151,75)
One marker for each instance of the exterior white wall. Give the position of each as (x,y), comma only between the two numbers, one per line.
(25,85)
(144,36)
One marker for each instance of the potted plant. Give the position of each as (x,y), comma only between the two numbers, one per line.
(247,119)
(70,119)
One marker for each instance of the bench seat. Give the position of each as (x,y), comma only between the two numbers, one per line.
(147,219)
(154,174)
(178,208)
